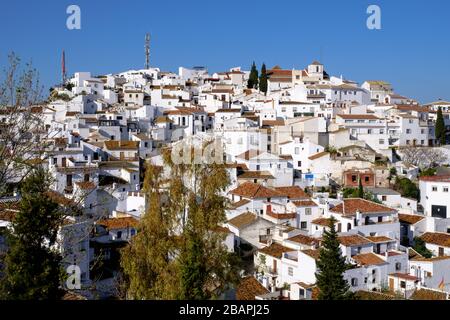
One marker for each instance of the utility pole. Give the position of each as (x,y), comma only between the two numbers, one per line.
(147,51)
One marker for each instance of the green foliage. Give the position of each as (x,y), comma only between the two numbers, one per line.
(360,190)
(392,173)
(331,266)
(332,150)
(193,270)
(32,268)
(407,188)
(253,77)
(419,246)
(163,263)
(440,130)
(428,172)
(263,79)
(68,86)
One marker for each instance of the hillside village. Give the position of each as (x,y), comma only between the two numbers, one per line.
(306,148)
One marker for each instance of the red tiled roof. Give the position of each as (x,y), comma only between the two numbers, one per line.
(253,190)
(440,239)
(404,276)
(275,250)
(249,288)
(242,220)
(364,206)
(410,218)
(307,240)
(353,240)
(443,178)
(293,192)
(367,259)
(305,203)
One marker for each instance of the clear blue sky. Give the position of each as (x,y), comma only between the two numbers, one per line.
(412,50)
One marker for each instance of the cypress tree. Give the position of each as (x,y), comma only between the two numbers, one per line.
(440,128)
(32,268)
(263,79)
(253,77)
(360,190)
(331,266)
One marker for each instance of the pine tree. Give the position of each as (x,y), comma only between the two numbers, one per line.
(360,189)
(253,77)
(263,79)
(331,266)
(32,268)
(440,128)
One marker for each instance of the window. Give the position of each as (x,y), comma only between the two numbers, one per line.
(380,219)
(308,211)
(383,198)
(301,292)
(132,232)
(366,179)
(297,150)
(398,266)
(369,131)
(353,178)
(403,284)
(119,234)
(354,282)
(299,163)
(291,271)
(445,189)
(434,188)
(381,141)
(303,225)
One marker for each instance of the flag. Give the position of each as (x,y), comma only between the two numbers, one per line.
(442,284)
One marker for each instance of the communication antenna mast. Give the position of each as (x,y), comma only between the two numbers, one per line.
(63,68)
(147,51)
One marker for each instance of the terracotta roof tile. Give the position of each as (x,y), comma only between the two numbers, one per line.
(243,220)
(312,253)
(367,259)
(275,250)
(253,190)
(379,239)
(249,288)
(410,218)
(440,239)
(302,239)
(292,193)
(325,222)
(364,206)
(305,203)
(353,240)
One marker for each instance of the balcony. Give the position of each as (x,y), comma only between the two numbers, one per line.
(68,190)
